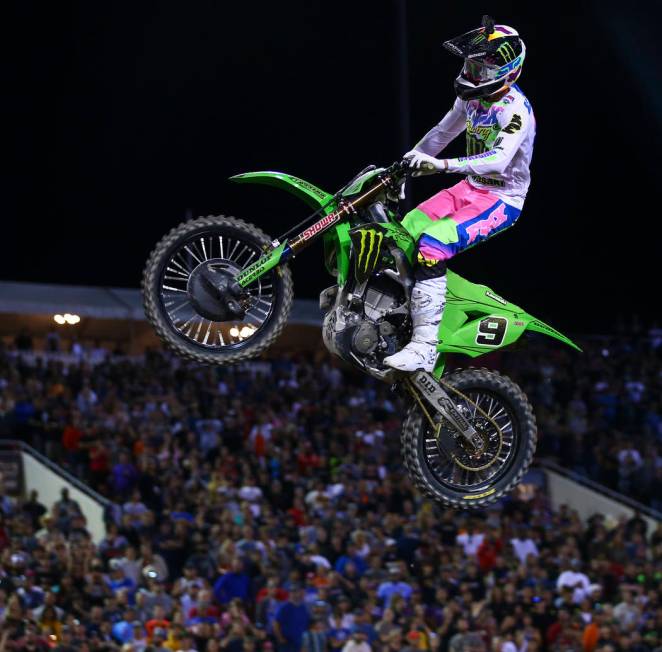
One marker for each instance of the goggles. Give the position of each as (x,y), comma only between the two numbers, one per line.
(480,72)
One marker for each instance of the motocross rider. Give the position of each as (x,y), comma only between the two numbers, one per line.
(500,130)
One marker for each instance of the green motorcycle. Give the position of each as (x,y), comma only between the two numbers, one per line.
(218,291)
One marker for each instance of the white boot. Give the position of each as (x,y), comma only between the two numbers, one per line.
(428,299)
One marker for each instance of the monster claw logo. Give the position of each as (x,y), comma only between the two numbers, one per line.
(506,51)
(368,246)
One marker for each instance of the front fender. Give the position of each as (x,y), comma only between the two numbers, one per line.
(307,192)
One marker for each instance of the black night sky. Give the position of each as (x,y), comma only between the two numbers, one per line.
(122,118)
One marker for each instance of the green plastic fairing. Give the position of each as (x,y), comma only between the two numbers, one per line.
(477,320)
(261,266)
(304,190)
(357,186)
(337,245)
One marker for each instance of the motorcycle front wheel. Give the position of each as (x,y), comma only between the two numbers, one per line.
(466,478)
(189,317)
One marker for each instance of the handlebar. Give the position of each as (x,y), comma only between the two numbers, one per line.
(403,166)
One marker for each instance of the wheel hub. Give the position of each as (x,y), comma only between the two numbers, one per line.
(485,448)
(210,290)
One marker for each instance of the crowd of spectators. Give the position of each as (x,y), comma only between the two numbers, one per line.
(265,507)
(599,413)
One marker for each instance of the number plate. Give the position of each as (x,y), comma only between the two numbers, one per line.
(491,331)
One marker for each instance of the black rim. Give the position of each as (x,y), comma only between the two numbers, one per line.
(467,471)
(216,247)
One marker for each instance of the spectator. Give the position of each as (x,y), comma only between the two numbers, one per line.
(232,584)
(357,643)
(34,508)
(573,578)
(626,612)
(524,546)
(292,620)
(471,539)
(315,639)
(395,585)
(124,476)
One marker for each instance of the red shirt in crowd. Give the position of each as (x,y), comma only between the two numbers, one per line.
(487,554)
(151,625)
(71,437)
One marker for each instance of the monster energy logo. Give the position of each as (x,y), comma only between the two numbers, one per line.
(474,146)
(369,248)
(506,51)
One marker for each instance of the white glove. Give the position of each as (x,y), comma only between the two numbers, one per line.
(423,163)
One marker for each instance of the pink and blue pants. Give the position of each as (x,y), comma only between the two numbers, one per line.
(454,220)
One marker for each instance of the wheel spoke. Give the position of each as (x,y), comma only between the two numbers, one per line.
(471,470)
(178,308)
(177,281)
(173,261)
(187,248)
(230,255)
(245,264)
(204,341)
(172,270)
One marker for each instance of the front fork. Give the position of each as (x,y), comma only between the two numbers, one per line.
(264,263)
(423,384)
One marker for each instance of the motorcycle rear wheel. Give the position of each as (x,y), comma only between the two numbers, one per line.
(470,481)
(176,313)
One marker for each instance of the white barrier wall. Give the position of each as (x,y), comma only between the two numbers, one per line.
(49,485)
(585,501)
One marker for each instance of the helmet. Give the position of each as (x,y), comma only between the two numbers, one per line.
(493,57)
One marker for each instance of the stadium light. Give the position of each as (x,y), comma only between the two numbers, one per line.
(67,318)
(242,333)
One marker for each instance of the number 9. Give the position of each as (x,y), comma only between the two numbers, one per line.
(491,331)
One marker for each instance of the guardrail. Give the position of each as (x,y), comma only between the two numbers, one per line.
(600,488)
(17,444)
(589,497)
(48,479)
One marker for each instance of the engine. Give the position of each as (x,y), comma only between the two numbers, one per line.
(368,328)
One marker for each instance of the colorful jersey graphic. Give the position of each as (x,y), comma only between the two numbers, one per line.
(500,139)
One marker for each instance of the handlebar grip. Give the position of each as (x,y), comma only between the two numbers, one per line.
(427,167)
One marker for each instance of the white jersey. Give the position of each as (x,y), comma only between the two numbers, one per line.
(499,143)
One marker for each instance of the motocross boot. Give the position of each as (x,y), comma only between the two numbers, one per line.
(428,298)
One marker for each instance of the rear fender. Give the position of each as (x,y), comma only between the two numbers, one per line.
(476,320)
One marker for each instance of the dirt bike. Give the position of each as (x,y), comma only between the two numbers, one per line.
(218,291)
